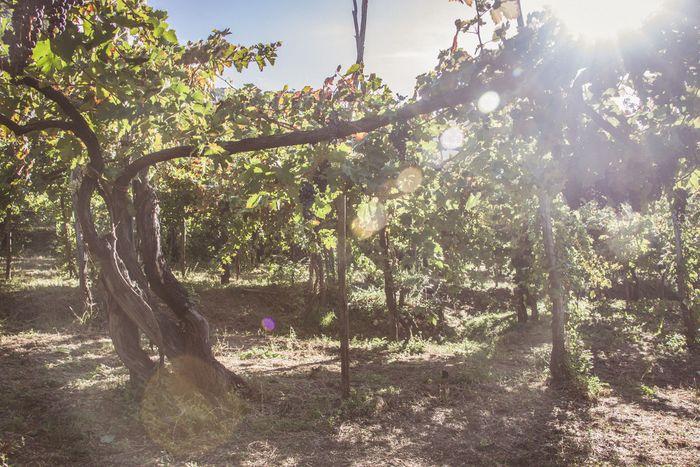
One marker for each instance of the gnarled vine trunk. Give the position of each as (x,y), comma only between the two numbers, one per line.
(143,294)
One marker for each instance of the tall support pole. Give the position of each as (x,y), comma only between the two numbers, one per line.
(341,208)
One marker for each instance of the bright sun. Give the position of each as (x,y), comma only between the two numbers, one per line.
(600,19)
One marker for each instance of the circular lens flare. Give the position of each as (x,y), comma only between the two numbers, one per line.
(179,417)
(371,217)
(409,180)
(488,102)
(268,324)
(452,138)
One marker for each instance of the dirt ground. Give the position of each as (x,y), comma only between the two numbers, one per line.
(65,398)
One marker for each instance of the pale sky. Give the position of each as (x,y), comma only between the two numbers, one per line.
(403,36)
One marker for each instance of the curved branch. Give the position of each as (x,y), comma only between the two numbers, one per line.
(80,126)
(338,130)
(37,125)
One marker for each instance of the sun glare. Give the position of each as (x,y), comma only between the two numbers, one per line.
(601,19)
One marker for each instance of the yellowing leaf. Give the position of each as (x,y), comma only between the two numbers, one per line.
(510,9)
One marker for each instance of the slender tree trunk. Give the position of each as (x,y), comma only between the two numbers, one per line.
(238,266)
(80,250)
(70,266)
(558,364)
(389,285)
(312,271)
(531,301)
(342,297)
(331,275)
(520,305)
(226,273)
(321,276)
(183,249)
(8,246)
(690,320)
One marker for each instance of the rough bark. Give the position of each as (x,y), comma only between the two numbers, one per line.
(558,365)
(208,373)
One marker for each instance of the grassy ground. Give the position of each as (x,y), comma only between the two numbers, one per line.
(65,398)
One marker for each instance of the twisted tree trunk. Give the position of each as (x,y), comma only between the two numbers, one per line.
(144,296)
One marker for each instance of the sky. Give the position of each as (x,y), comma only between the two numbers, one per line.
(403,36)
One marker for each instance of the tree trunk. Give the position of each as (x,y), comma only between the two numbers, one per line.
(135,292)
(331,275)
(70,266)
(690,320)
(80,250)
(389,285)
(311,286)
(520,304)
(342,297)
(531,301)
(183,249)
(558,363)
(8,246)
(226,273)
(210,376)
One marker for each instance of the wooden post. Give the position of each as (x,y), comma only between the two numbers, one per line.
(341,205)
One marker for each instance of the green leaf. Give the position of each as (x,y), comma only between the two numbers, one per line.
(353,69)
(170,36)
(254,200)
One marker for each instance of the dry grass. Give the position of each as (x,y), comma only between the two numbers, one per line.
(65,397)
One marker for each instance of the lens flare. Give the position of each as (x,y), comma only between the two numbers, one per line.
(409,180)
(268,324)
(179,417)
(452,138)
(603,19)
(488,102)
(371,217)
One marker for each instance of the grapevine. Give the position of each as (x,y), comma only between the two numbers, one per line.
(29,19)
